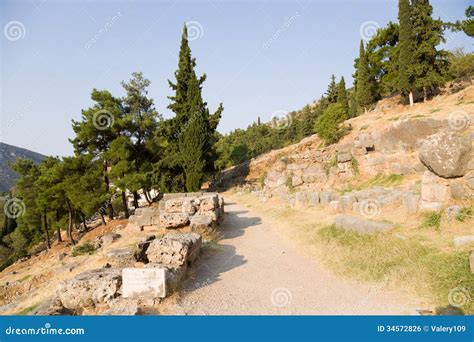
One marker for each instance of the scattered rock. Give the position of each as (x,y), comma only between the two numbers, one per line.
(122,307)
(106,240)
(201,223)
(173,220)
(90,288)
(460,241)
(175,249)
(351,223)
(446,154)
(434,192)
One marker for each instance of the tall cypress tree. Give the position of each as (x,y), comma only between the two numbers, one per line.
(429,64)
(406,47)
(364,88)
(331,93)
(342,95)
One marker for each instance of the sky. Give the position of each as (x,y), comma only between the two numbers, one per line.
(260,57)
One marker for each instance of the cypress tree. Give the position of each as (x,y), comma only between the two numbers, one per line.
(342,95)
(364,89)
(429,64)
(332,92)
(406,47)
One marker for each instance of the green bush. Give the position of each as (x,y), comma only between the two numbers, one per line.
(432,219)
(86,248)
(461,64)
(463,214)
(328,124)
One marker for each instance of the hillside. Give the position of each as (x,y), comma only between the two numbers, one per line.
(8,155)
(303,198)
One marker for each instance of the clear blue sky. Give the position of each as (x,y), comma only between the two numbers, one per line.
(260,56)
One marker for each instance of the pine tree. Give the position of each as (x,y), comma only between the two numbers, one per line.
(429,64)
(364,93)
(331,93)
(406,48)
(342,95)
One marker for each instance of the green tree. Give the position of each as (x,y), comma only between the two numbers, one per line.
(332,91)
(342,95)
(364,90)
(468,24)
(328,124)
(406,49)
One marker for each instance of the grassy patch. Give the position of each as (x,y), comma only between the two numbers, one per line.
(261,179)
(331,163)
(385,258)
(27,310)
(378,180)
(24,278)
(85,248)
(465,212)
(432,219)
(364,127)
(434,110)
(355,165)
(289,185)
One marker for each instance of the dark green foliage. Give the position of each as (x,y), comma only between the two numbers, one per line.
(364,87)
(328,124)
(406,48)
(86,248)
(342,95)
(461,65)
(332,92)
(468,24)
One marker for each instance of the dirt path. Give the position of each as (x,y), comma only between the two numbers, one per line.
(254,271)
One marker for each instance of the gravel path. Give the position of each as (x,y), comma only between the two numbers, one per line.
(254,271)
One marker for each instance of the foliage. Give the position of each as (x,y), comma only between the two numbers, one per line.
(328,124)
(85,248)
(461,65)
(465,212)
(432,219)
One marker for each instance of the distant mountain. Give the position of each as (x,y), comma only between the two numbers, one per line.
(8,155)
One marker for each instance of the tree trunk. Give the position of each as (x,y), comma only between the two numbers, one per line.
(103,219)
(69,226)
(425,94)
(124,204)
(59,227)
(107,188)
(410,97)
(46,232)
(85,223)
(135,199)
(147,197)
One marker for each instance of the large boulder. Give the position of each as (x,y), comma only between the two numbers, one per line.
(90,288)
(351,223)
(446,154)
(175,249)
(201,223)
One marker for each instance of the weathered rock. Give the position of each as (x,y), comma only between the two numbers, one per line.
(446,154)
(122,307)
(452,211)
(52,307)
(123,256)
(144,282)
(358,225)
(346,202)
(296,180)
(325,198)
(434,192)
(312,198)
(344,156)
(208,202)
(200,223)
(174,274)
(457,191)
(175,249)
(173,220)
(106,240)
(139,253)
(185,205)
(460,241)
(411,202)
(90,288)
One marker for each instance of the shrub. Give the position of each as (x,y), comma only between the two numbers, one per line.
(289,184)
(461,64)
(327,125)
(86,248)
(463,214)
(432,219)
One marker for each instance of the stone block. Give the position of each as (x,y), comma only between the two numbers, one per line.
(174,274)
(313,198)
(173,220)
(175,249)
(144,282)
(296,180)
(200,223)
(351,223)
(325,198)
(460,241)
(411,202)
